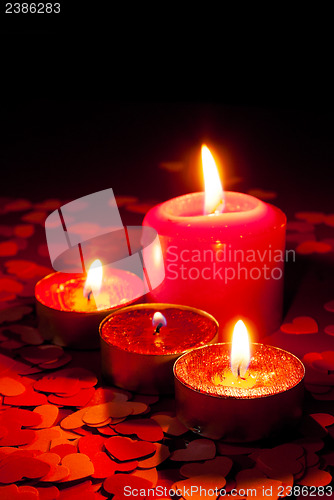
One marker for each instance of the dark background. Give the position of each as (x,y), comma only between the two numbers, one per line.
(67,149)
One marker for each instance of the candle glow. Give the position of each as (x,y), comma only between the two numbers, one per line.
(214,194)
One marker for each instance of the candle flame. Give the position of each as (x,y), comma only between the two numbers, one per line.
(240,353)
(94,279)
(214,194)
(159,319)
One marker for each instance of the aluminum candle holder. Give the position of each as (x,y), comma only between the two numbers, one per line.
(67,318)
(268,400)
(137,357)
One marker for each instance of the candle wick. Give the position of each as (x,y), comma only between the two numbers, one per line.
(157,330)
(238,371)
(218,208)
(89,294)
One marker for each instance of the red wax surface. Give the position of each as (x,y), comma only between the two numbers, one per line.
(133,331)
(230,264)
(65,291)
(275,371)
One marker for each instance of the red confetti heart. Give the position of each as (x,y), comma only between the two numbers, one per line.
(8,248)
(82,398)
(263,194)
(64,449)
(316,478)
(28,334)
(329,329)
(28,398)
(308,247)
(300,325)
(170,425)
(14,313)
(90,445)
(146,429)
(161,454)
(15,469)
(117,483)
(80,466)
(48,492)
(11,387)
(311,217)
(123,448)
(150,475)
(36,217)
(219,465)
(104,466)
(24,230)
(200,449)
(329,306)
(17,205)
(326,362)
(41,354)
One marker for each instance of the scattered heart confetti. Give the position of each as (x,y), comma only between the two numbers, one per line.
(17,468)
(104,466)
(17,206)
(80,466)
(14,313)
(325,362)
(308,247)
(11,387)
(28,398)
(281,459)
(123,448)
(161,454)
(218,465)
(316,478)
(8,248)
(311,217)
(329,306)
(49,414)
(82,398)
(150,475)
(300,325)
(116,484)
(302,227)
(263,194)
(24,230)
(28,334)
(190,488)
(146,429)
(170,425)
(200,449)
(329,329)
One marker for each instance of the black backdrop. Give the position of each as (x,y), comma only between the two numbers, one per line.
(67,149)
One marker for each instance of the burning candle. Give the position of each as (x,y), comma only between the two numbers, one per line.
(238,392)
(223,252)
(70,307)
(140,343)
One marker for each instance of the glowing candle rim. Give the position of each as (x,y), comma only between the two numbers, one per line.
(172,214)
(82,277)
(236,397)
(159,307)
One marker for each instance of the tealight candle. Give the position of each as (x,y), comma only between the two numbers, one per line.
(219,396)
(140,343)
(70,307)
(223,253)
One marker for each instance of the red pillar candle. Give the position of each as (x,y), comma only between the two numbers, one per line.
(70,307)
(221,395)
(225,257)
(140,343)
